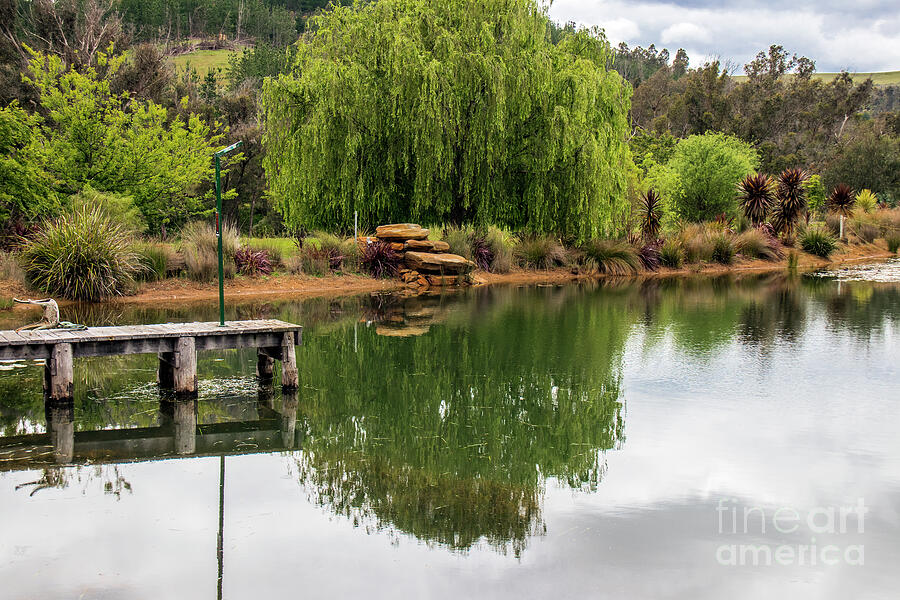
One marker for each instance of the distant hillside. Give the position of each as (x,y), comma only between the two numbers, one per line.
(882,78)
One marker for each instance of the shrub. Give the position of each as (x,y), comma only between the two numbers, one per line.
(379,260)
(309,261)
(757,196)
(791,201)
(696,243)
(723,248)
(755,243)
(893,241)
(501,244)
(833,223)
(277,248)
(888,221)
(612,257)
(252,262)
(460,240)
(671,254)
(118,207)
(841,200)
(157,260)
(649,255)
(649,214)
(6,303)
(10,269)
(817,240)
(201,250)
(540,252)
(866,201)
(85,255)
(700,179)
(867,232)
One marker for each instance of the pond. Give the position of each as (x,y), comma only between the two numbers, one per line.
(679,438)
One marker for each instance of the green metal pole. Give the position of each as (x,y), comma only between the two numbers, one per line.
(219,230)
(219,236)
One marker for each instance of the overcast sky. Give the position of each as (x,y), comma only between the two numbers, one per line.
(857,35)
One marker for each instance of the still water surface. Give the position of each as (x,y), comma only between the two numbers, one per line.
(579,441)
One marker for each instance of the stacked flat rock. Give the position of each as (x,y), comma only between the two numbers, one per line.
(428,263)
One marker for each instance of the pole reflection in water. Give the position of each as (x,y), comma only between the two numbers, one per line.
(220,541)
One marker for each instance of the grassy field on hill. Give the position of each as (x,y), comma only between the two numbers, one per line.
(882,78)
(202,60)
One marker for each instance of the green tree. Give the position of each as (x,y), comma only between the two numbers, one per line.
(98,138)
(26,190)
(458,111)
(700,180)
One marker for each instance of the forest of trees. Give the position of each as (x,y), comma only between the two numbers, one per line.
(73,67)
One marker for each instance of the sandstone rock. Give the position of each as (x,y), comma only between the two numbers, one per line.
(426,246)
(401,232)
(408,331)
(438,263)
(397,247)
(443,280)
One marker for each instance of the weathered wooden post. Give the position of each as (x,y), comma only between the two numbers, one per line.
(59,373)
(185,417)
(165,375)
(288,418)
(265,365)
(185,375)
(61,427)
(290,377)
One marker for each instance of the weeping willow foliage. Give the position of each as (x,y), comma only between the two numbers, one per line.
(459,111)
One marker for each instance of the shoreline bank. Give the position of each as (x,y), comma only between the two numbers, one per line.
(297,286)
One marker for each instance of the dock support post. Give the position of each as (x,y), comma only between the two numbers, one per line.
(186,367)
(265,366)
(289,418)
(185,417)
(61,427)
(165,376)
(290,377)
(58,373)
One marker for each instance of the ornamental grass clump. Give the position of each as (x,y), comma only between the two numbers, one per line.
(696,242)
(612,257)
(199,244)
(84,255)
(893,241)
(723,248)
(756,243)
(157,260)
(817,240)
(540,252)
(671,254)
(501,245)
(866,201)
(790,202)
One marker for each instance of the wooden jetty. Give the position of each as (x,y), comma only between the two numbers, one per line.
(176,344)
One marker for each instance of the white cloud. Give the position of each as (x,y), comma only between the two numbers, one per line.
(681,33)
(835,35)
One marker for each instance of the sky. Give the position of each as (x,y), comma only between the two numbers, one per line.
(856,35)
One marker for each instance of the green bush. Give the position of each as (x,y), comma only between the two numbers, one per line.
(201,254)
(700,180)
(866,201)
(723,248)
(611,257)
(671,254)
(816,240)
(157,260)
(893,241)
(120,208)
(540,252)
(84,255)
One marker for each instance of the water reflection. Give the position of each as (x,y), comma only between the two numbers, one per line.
(449,420)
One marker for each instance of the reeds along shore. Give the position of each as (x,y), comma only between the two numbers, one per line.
(111,263)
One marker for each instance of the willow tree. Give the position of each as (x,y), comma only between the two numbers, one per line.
(461,111)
